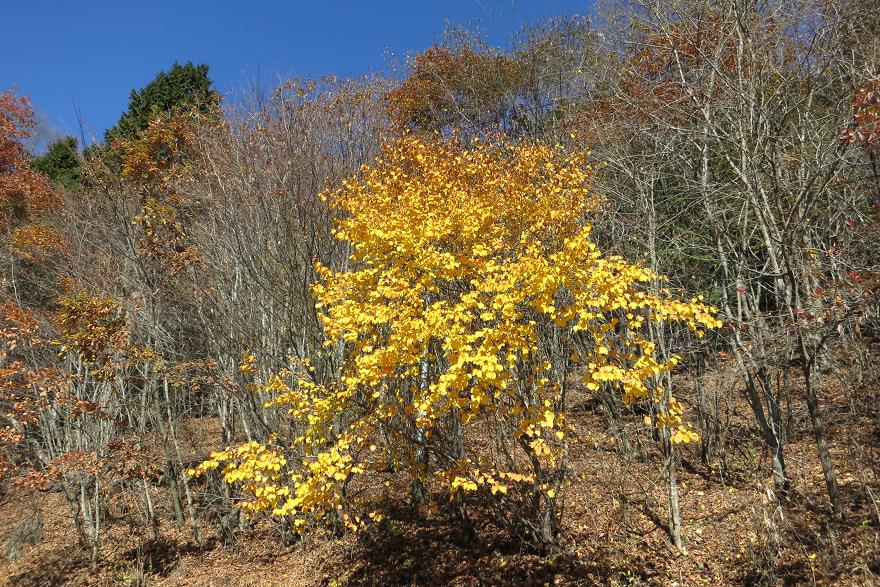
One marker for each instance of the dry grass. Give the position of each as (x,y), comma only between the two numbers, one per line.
(736,529)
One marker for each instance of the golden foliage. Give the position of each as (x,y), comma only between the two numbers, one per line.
(35,242)
(159,162)
(463,261)
(441,82)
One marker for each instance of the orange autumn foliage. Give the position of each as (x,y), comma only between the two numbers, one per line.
(24,193)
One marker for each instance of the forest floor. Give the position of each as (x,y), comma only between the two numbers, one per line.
(736,530)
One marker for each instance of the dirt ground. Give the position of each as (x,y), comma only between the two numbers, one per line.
(736,529)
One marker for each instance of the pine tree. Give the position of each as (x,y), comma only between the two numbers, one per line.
(182,85)
(61,163)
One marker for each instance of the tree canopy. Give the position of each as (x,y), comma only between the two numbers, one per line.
(181,86)
(61,163)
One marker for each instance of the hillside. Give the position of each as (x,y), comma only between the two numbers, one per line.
(597,306)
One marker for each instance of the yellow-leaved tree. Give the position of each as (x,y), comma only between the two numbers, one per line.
(474,304)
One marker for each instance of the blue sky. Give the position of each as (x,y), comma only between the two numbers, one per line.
(92,53)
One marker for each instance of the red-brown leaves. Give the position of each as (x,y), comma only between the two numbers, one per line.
(442,82)
(36,242)
(157,162)
(23,192)
(16,118)
(866,119)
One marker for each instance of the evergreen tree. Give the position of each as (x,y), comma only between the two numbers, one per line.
(61,163)
(185,84)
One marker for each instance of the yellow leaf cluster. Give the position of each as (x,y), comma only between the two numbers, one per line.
(256,467)
(462,259)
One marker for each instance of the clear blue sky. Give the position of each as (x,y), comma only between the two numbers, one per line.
(93,53)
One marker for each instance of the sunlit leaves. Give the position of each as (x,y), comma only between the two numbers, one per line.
(35,242)
(23,192)
(462,261)
(157,161)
